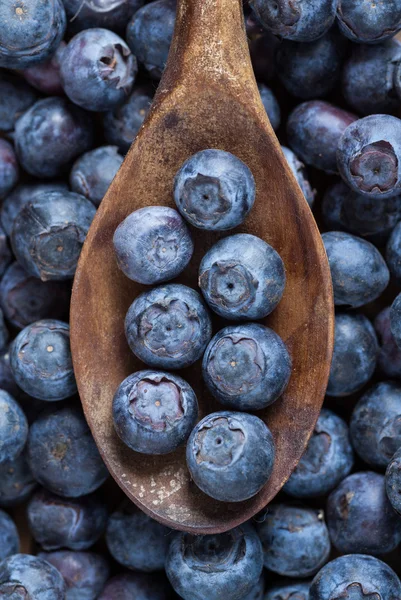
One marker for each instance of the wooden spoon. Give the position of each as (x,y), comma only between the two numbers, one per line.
(207,98)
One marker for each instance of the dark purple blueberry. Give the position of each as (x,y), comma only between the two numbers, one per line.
(369,156)
(168,327)
(390,355)
(48,234)
(94,171)
(123,123)
(112,15)
(5,252)
(395,320)
(393,481)
(140,586)
(41,362)
(111,65)
(358,270)
(246,367)
(230,455)
(4,335)
(7,381)
(9,539)
(360,517)
(9,170)
(295,540)
(393,251)
(299,171)
(16,482)
(154,412)
(369,23)
(262,48)
(153,244)
(289,590)
(25,577)
(45,77)
(74,523)
(16,97)
(314,130)
(271,105)
(30,33)
(136,541)
(327,459)
(149,34)
(50,135)
(13,428)
(355,577)
(63,455)
(214,190)
(376,424)
(225,565)
(296,19)
(84,573)
(242,277)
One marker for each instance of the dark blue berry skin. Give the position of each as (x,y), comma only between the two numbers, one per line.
(13,428)
(111,65)
(355,577)
(140,586)
(289,590)
(271,105)
(94,171)
(7,381)
(84,573)
(230,455)
(258,590)
(123,123)
(358,270)
(16,482)
(369,78)
(242,277)
(153,245)
(9,539)
(246,367)
(302,20)
(168,327)
(355,354)
(314,130)
(262,47)
(149,35)
(63,455)
(395,320)
(23,577)
(225,565)
(369,156)
(393,481)
(5,252)
(57,522)
(136,541)
(41,361)
(390,354)
(214,190)
(9,170)
(376,424)
(360,517)
(16,97)
(30,33)
(4,335)
(48,234)
(327,459)
(154,412)
(299,171)
(295,540)
(45,77)
(111,15)
(393,252)
(50,135)
(369,23)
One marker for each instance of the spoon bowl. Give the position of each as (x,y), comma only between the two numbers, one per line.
(207,98)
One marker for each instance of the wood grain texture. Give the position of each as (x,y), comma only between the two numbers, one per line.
(207,98)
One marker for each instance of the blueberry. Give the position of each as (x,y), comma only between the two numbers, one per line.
(73,523)
(296,20)
(30,33)
(225,565)
(13,428)
(327,459)
(262,48)
(168,327)
(230,455)
(389,355)
(15,98)
(84,573)
(214,190)
(50,135)
(140,586)
(94,171)
(314,130)
(9,539)
(295,540)
(149,34)
(9,170)
(63,455)
(246,367)
(111,65)
(299,171)
(258,590)
(153,244)
(45,77)
(289,590)
(7,381)
(395,320)
(123,123)
(135,540)
(376,424)
(5,252)
(242,277)
(369,156)
(271,105)
(112,15)
(4,335)
(358,270)
(154,412)
(369,23)
(355,577)
(28,577)
(393,481)
(393,252)
(48,234)
(16,482)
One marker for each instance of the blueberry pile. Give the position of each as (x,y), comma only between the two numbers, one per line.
(76,82)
